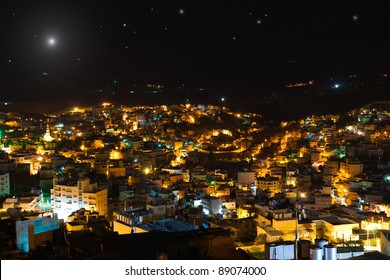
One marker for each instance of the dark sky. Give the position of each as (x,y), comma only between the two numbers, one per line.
(196,43)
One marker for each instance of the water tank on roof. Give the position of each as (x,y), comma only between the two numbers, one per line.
(315,252)
(321,243)
(330,252)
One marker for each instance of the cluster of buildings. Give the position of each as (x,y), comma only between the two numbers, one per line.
(190,173)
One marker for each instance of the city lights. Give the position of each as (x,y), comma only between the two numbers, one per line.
(51,41)
(234,134)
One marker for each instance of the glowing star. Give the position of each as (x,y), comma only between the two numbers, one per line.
(51,41)
(258,21)
(181,11)
(355,17)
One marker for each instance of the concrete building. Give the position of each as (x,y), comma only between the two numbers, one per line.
(139,221)
(268,183)
(31,233)
(315,156)
(246,178)
(321,201)
(351,168)
(5,186)
(332,167)
(336,229)
(136,143)
(284,250)
(6,166)
(160,205)
(385,242)
(68,196)
(212,205)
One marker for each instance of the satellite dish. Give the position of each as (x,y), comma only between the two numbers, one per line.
(14,214)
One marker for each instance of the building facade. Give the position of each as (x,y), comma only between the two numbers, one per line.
(68,196)
(5,186)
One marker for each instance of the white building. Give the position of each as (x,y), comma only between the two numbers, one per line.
(212,205)
(68,196)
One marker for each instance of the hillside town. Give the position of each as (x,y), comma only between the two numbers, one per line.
(193,181)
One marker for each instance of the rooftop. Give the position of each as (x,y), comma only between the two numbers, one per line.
(336,221)
(168,225)
(372,256)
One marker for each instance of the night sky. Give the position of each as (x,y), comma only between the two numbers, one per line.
(108,47)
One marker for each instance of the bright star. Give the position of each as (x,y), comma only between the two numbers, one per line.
(51,41)
(355,17)
(181,11)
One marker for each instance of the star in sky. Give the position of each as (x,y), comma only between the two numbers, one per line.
(187,36)
(51,41)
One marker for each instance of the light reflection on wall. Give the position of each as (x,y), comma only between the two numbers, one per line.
(40,225)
